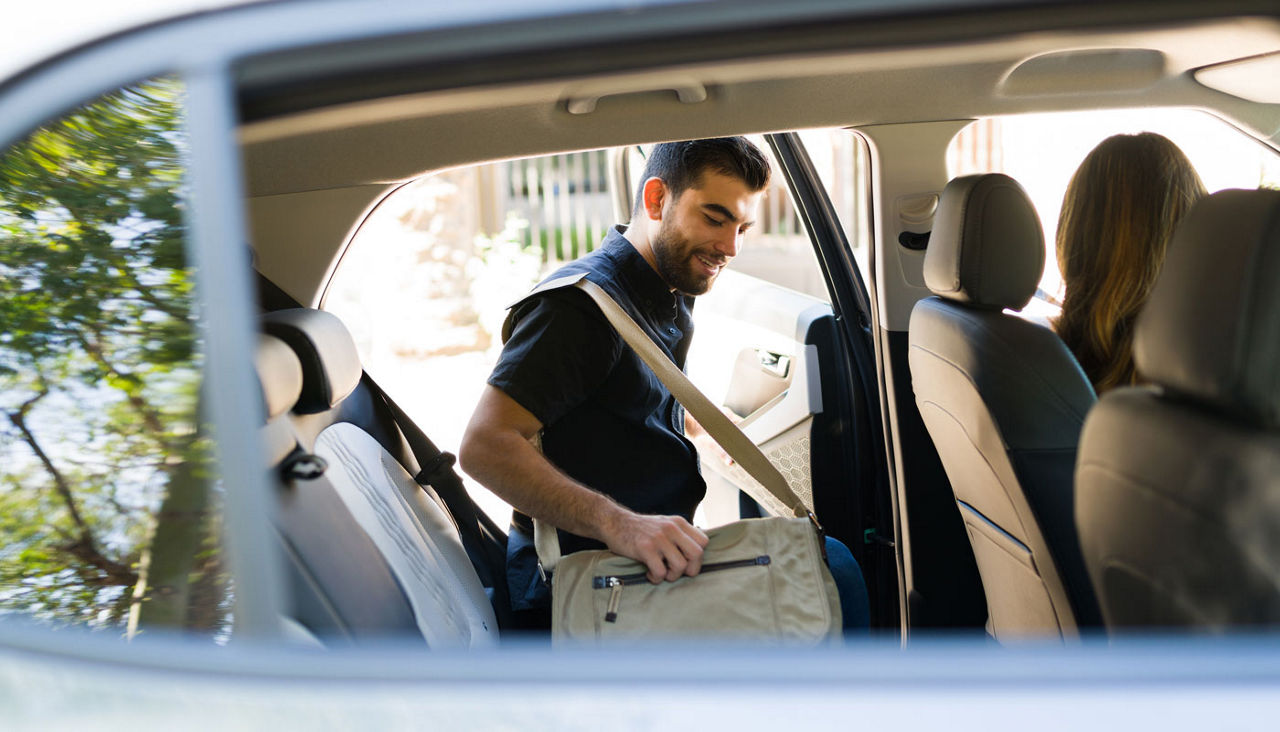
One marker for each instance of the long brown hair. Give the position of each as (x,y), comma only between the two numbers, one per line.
(1117,217)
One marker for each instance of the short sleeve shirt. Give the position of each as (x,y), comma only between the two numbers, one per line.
(608,422)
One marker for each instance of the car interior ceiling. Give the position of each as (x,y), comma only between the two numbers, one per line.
(313,174)
(337,161)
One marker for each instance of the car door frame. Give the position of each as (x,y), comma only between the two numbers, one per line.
(850,388)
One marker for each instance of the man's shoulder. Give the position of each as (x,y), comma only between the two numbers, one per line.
(599,266)
(555,299)
(606,266)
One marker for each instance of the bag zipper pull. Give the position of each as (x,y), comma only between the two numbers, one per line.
(615,597)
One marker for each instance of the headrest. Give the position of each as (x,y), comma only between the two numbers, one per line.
(330,363)
(1211,328)
(987,247)
(279,373)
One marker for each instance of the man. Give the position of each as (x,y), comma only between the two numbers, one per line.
(617,468)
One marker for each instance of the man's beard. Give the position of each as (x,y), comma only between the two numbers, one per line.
(672,253)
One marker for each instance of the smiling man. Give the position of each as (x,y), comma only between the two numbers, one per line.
(616,467)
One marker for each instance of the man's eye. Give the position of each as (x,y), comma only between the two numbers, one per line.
(712,220)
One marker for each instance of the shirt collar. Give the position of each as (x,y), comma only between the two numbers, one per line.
(648,285)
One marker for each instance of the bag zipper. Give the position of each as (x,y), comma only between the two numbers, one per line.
(615,582)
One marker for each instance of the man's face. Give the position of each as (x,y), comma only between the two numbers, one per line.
(702,230)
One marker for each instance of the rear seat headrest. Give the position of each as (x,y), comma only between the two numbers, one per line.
(1211,328)
(330,363)
(280,376)
(987,247)
(279,373)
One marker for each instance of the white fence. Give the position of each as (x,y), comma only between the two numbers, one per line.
(566,203)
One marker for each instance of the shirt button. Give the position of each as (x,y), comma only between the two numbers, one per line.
(672,331)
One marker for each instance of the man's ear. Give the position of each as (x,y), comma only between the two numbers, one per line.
(655,195)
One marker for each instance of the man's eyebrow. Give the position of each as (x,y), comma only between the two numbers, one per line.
(721,210)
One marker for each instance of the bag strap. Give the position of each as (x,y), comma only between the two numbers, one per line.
(769,487)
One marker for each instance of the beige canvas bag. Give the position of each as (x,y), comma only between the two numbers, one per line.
(762,579)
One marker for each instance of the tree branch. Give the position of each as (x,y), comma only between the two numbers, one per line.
(149,416)
(83,546)
(19,419)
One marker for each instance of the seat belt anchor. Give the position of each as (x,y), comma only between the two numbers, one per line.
(434,466)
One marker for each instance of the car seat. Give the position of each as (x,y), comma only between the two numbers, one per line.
(1003,400)
(368,487)
(1179,481)
(340,588)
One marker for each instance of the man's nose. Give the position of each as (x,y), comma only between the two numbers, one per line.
(730,244)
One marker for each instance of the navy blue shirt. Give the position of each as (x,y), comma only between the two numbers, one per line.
(608,422)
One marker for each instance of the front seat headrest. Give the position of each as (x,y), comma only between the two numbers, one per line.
(1211,328)
(987,247)
(330,362)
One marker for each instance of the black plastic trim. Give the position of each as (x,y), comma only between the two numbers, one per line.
(856,396)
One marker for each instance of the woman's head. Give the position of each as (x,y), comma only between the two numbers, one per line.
(1117,218)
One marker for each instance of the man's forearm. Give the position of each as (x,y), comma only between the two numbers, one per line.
(497,451)
(506,463)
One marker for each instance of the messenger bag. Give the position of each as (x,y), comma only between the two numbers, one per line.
(761,579)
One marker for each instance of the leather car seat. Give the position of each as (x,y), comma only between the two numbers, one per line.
(367,496)
(1179,481)
(340,588)
(1003,400)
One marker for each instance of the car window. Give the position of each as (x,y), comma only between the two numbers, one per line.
(1042,151)
(109,509)
(425,281)
(841,158)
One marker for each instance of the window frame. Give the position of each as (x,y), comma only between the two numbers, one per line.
(202,51)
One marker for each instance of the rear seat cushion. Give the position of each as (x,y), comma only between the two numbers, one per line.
(414,534)
(330,362)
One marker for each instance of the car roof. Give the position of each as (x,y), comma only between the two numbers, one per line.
(36,32)
(871,62)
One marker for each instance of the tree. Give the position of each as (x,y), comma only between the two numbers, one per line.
(106,500)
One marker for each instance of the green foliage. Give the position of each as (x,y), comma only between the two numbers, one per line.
(98,355)
(559,244)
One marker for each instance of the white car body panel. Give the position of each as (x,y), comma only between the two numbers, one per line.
(66,680)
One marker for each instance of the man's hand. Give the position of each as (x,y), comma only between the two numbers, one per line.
(704,442)
(668,546)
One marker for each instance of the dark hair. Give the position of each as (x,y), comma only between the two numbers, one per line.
(680,165)
(1117,218)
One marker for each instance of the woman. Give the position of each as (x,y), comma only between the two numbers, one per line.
(1117,218)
